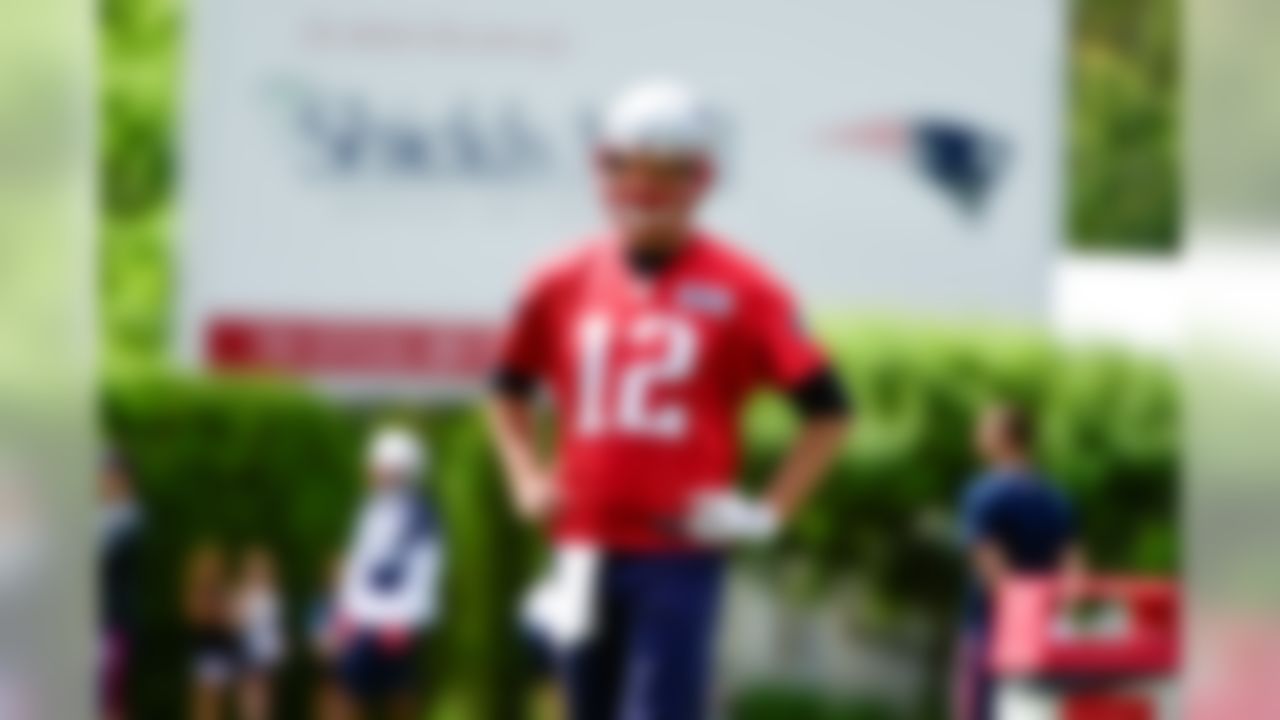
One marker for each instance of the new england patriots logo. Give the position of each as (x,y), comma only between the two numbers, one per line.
(963,161)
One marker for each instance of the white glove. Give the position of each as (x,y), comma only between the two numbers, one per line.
(562,606)
(728,517)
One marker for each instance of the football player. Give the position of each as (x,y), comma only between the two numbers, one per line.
(650,337)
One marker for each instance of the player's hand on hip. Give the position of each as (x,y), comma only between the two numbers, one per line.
(728,517)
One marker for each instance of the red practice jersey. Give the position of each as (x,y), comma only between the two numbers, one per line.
(649,376)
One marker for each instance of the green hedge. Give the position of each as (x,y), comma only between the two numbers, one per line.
(1109,433)
(242,461)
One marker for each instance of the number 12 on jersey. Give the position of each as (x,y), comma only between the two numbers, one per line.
(631,409)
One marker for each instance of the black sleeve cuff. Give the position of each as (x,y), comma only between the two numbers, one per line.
(821,395)
(512,383)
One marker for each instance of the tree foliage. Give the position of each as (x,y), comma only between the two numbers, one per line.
(1125,142)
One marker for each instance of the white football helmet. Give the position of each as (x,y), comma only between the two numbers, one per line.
(394,452)
(659,116)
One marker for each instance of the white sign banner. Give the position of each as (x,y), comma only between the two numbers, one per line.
(365,183)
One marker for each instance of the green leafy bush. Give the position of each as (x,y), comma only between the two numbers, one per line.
(242,462)
(1124,128)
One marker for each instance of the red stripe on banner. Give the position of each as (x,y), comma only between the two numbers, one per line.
(349,347)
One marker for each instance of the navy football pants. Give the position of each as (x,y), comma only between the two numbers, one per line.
(651,656)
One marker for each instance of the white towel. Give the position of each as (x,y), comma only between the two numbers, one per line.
(563,606)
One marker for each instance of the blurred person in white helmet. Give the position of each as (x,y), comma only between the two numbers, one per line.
(650,336)
(390,590)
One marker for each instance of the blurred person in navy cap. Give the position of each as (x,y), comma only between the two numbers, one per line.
(119,559)
(651,335)
(389,594)
(1014,523)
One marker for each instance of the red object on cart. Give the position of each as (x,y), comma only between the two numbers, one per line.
(1108,707)
(1108,627)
